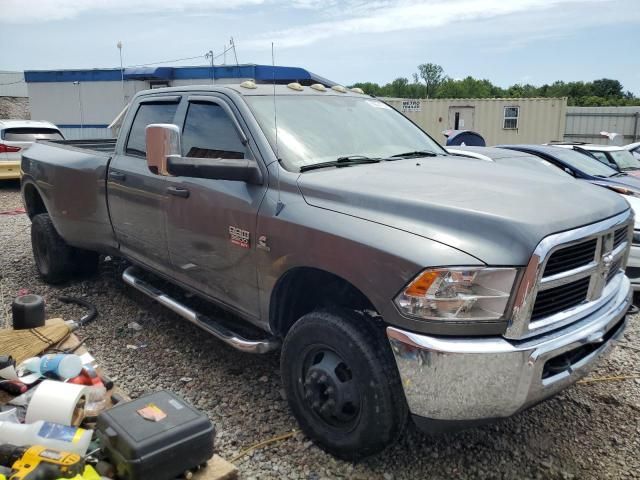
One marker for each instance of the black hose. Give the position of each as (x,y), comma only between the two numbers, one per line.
(87,318)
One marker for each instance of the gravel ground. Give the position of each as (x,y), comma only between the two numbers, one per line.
(588,431)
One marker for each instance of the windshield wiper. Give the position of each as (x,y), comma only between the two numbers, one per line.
(620,174)
(416,153)
(341,162)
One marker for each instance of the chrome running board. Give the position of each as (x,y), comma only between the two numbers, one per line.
(202,321)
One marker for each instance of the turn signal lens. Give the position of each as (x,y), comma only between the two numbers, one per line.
(459,293)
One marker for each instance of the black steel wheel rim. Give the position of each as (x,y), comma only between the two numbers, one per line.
(329,388)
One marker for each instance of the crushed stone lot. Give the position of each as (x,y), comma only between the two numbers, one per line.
(591,430)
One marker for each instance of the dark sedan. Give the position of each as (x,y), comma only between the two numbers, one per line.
(582,166)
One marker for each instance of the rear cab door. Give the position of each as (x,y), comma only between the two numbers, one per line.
(137,198)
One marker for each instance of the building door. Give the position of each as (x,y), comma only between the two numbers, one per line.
(461,118)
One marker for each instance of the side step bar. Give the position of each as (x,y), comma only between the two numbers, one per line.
(202,321)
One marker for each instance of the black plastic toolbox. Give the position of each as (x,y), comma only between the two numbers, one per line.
(142,449)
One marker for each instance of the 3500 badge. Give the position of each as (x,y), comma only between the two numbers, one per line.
(239,236)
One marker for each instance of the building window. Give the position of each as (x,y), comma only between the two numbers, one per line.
(511,115)
(155,84)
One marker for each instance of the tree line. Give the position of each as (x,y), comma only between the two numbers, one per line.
(430,81)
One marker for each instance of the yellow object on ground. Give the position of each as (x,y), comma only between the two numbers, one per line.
(88,474)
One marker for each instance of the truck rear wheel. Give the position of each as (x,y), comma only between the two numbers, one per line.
(57,261)
(342,383)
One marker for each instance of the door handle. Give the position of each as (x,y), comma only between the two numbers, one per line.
(115,175)
(178,192)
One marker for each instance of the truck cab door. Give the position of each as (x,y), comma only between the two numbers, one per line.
(211,224)
(137,198)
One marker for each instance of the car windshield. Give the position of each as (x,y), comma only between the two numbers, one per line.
(583,163)
(31,134)
(314,129)
(625,160)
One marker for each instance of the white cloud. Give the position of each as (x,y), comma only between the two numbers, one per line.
(357,17)
(18,11)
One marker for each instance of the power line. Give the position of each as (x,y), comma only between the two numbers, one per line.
(165,61)
(13,83)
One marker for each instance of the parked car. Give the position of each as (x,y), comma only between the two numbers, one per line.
(634,148)
(15,137)
(618,158)
(396,280)
(506,157)
(582,166)
(586,168)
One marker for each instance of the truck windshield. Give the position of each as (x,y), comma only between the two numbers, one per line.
(316,129)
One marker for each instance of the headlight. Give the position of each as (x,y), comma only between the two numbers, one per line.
(458,293)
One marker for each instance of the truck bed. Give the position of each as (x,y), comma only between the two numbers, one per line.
(105,145)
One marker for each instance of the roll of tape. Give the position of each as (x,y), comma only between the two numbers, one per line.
(57,402)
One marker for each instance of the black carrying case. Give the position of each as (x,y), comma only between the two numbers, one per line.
(141,449)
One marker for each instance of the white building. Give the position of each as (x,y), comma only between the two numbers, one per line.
(82,103)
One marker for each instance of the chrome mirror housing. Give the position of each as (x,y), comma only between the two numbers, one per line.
(163,142)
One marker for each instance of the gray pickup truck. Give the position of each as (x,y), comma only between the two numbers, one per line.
(399,281)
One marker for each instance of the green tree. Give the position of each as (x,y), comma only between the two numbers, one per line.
(432,75)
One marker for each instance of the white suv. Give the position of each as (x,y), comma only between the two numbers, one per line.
(16,136)
(619,158)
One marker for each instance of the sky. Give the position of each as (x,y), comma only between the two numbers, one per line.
(347,41)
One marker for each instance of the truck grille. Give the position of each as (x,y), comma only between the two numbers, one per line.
(571,257)
(571,274)
(560,298)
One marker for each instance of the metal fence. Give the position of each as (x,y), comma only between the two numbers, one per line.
(585,124)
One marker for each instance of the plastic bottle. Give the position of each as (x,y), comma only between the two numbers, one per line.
(47,434)
(63,365)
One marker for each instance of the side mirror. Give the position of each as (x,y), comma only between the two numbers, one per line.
(216,169)
(163,142)
(569,171)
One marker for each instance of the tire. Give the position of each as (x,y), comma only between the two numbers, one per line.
(55,260)
(342,383)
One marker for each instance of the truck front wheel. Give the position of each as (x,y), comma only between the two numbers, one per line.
(57,261)
(342,383)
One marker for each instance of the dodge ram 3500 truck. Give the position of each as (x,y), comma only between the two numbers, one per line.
(398,283)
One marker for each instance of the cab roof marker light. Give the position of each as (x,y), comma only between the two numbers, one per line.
(339,88)
(295,86)
(249,84)
(357,90)
(319,87)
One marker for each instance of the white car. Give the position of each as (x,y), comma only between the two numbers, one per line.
(616,157)
(18,135)
(633,266)
(634,148)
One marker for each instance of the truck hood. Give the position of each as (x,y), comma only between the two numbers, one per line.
(495,212)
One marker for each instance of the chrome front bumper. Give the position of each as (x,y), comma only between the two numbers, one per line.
(467,379)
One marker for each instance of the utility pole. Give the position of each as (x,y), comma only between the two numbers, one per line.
(124,97)
(77,84)
(209,55)
(235,54)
